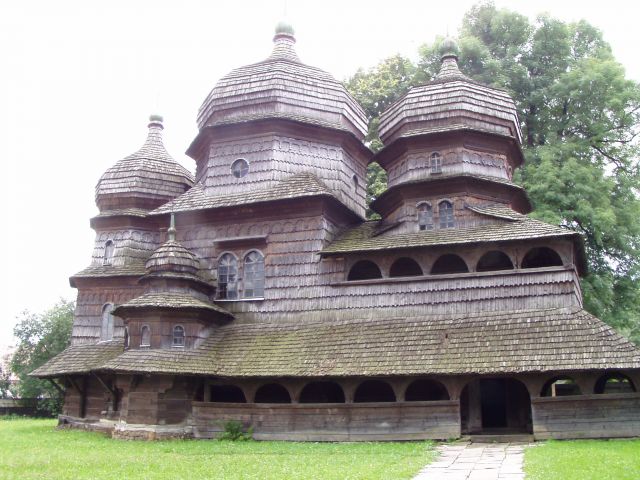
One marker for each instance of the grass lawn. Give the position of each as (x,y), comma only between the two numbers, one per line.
(31,448)
(584,460)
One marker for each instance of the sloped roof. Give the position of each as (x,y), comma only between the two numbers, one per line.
(79,359)
(133,268)
(297,186)
(514,226)
(486,343)
(171,300)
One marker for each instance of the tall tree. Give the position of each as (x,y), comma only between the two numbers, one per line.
(40,338)
(580,118)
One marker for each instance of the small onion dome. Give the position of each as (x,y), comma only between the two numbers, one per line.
(451,101)
(172,257)
(145,179)
(281,86)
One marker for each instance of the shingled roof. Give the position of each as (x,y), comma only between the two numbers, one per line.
(79,359)
(171,300)
(297,186)
(365,238)
(486,343)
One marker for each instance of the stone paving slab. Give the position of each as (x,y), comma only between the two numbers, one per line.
(476,461)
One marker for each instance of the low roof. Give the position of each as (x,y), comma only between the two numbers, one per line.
(79,359)
(170,300)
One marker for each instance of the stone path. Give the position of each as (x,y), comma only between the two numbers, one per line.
(476,461)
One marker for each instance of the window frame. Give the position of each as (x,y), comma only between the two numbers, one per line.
(242,171)
(109,249)
(174,337)
(435,162)
(107,330)
(256,276)
(236,281)
(448,221)
(428,225)
(142,329)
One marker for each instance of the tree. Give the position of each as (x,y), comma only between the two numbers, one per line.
(40,338)
(580,118)
(5,382)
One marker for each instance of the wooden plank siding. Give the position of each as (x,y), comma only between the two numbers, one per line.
(586,416)
(333,422)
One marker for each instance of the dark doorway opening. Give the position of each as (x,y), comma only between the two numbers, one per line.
(495,405)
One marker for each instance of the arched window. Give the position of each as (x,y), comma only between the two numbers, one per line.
(354,179)
(364,270)
(145,336)
(240,168)
(425,391)
(272,393)
(614,383)
(106,331)
(449,263)
(126,337)
(405,267)
(445,214)
(253,275)
(227,394)
(374,391)
(178,336)
(322,392)
(541,257)
(228,277)
(108,253)
(425,217)
(494,260)
(435,161)
(560,387)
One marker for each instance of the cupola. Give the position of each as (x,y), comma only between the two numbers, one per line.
(145,179)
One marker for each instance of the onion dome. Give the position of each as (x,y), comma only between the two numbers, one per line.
(451,101)
(281,86)
(172,257)
(145,179)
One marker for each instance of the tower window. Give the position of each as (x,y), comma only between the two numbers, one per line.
(240,168)
(145,336)
(178,336)
(425,217)
(108,253)
(354,179)
(253,275)
(228,277)
(106,331)
(435,161)
(445,212)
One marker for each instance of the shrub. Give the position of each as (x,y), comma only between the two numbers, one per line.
(234,431)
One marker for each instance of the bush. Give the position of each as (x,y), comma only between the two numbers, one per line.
(234,431)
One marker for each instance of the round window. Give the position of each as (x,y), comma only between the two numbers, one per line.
(240,168)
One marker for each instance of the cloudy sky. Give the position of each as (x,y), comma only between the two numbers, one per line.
(79,80)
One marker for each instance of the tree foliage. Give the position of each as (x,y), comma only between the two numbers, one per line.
(40,338)
(580,118)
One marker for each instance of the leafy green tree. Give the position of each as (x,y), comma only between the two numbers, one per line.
(40,338)
(5,383)
(580,117)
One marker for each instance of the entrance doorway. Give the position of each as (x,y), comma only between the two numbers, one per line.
(495,406)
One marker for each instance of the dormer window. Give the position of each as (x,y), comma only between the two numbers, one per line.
(178,336)
(228,277)
(108,253)
(145,336)
(445,212)
(425,217)
(435,161)
(240,168)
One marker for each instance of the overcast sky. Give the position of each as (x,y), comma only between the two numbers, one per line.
(79,80)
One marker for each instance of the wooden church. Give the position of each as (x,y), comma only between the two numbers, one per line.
(256,291)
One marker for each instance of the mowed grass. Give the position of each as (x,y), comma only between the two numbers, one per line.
(31,448)
(584,460)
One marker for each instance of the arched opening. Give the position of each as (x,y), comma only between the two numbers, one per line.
(364,270)
(614,383)
(145,336)
(374,391)
(494,260)
(541,257)
(449,263)
(435,161)
(178,336)
(272,393)
(560,387)
(445,214)
(425,390)
(495,406)
(227,277)
(405,267)
(108,252)
(425,216)
(106,330)
(253,275)
(322,392)
(227,394)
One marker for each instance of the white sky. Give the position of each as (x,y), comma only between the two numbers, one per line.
(78,81)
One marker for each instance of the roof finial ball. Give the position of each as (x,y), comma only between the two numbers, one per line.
(156,121)
(284,29)
(449,48)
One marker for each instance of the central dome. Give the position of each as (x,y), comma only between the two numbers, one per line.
(282,87)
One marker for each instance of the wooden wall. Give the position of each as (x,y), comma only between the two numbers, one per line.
(586,416)
(334,422)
